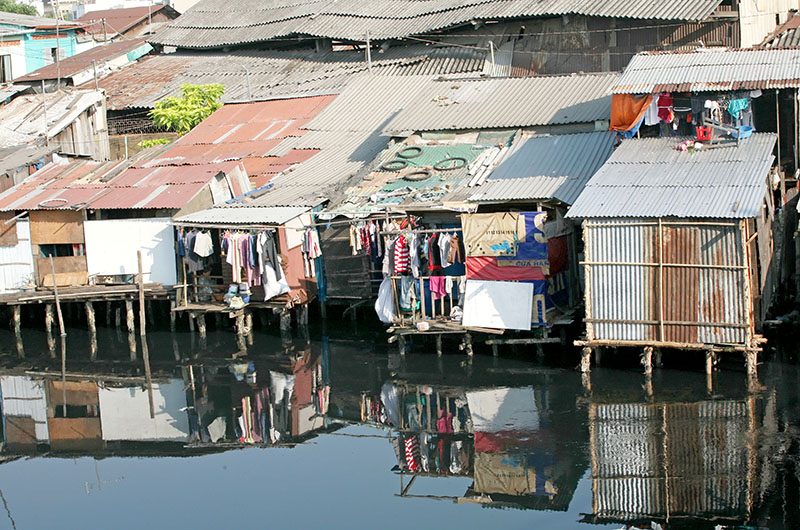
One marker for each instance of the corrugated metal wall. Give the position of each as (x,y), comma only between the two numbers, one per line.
(701,305)
(16,262)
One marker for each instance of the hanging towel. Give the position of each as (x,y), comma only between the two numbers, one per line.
(438,289)
(627,111)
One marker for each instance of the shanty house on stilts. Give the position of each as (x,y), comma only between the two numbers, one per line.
(678,248)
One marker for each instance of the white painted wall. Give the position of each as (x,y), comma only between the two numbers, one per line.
(16,263)
(111,247)
(125,413)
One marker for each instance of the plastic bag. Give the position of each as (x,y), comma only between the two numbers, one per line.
(383,305)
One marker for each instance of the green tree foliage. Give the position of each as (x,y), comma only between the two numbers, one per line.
(181,114)
(145,144)
(13,7)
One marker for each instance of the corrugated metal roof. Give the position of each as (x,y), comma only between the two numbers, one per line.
(129,48)
(28,21)
(507,102)
(710,70)
(214,24)
(648,178)
(122,19)
(556,167)
(276,215)
(110,185)
(275,73)
(23,119)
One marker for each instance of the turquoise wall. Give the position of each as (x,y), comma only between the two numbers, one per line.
(35,48)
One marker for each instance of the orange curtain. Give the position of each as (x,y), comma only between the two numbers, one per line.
(627,110)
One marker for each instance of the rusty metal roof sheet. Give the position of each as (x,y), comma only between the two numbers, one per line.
(648,178)
(112,55)
(275,73)
(710,70)
(507,102)
(120,20)
(547,167)
(215,24)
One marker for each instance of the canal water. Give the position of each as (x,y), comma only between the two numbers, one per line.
(336,430)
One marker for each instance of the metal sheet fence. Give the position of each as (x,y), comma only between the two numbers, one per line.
(666,281)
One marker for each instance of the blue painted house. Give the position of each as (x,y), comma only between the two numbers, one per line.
(28,43)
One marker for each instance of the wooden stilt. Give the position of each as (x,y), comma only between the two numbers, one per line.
(90,321)
(129,317)
(286,321)
(468,344)
(118,317)
(172,305)
(598,356)
(16,323)
(751,362)
(151,316)
(201,326)
(108,314)
(439,345)
(647,360)
(191,317)
(401,345)
(495,350)
(176,352)
(539,352)
(586,360)
(248,323)
(657,358)
(49,318)
(241,342)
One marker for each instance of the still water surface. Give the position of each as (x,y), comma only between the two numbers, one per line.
(337,432)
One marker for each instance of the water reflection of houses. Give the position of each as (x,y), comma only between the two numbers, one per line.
(505,439)
(211,407)
(674,461)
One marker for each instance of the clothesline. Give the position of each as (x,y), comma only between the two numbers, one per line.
(421,231)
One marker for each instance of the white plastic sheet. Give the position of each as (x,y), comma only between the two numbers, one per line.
(499,305)
(111,247)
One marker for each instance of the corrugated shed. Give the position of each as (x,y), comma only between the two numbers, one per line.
(710,70)
(213,24)
(548,167)
(649,178)
(624,285)
(509,102)
(83,61)
(246,216)
(276,73)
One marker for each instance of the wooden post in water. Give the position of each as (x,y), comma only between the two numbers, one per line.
(240,340)
(248,327)
(439,345)
(109,308)
(172,316)
(468,343)
(117,317)
(143,337)
(647,360)
(49,317)
(90,320)
(16,323)
(201,328)
(63,338)
(586,360)
(131,325)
